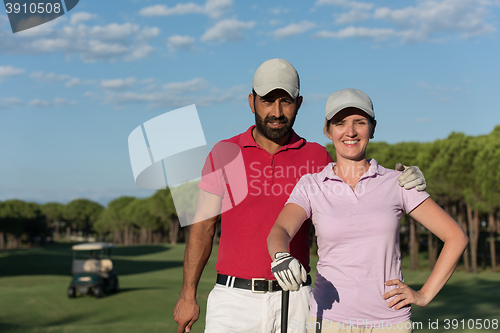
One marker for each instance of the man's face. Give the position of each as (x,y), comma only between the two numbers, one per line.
(275,113)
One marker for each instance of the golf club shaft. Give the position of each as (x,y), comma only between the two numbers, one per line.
(285,297)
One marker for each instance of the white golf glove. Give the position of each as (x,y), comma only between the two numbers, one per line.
(411,177)
(288,271)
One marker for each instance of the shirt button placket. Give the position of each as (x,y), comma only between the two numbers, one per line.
(355,194)
(271,171)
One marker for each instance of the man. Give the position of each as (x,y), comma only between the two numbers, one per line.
(244,298)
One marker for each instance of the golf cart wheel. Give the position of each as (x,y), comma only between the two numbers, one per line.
(98,292)
(71,292)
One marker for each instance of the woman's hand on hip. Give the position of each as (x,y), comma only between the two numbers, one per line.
(404,295)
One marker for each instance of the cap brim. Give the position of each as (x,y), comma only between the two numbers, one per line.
(332,113)
(265,89)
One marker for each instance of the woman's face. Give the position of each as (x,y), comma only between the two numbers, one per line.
(350,131)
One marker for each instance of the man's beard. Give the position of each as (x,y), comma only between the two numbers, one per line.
(273,133)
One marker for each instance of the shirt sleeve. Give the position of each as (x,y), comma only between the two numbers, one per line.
(411,199)
(301,196)
(211,177)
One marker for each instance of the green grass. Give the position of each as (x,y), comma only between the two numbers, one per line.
(33,297)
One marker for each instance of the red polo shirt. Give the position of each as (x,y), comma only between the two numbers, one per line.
(254,197)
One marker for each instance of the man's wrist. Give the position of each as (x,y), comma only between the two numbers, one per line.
(188,293)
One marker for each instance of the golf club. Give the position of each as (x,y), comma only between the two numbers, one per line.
(285,297)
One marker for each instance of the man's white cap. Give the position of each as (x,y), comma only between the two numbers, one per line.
(276,74)
(348,98)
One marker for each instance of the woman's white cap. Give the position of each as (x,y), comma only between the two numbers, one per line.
(348,98)
(276,74)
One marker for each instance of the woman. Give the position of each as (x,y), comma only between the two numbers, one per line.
(356,206)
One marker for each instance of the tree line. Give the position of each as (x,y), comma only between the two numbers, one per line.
(462,173)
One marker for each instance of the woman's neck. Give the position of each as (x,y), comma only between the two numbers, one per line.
(350,171)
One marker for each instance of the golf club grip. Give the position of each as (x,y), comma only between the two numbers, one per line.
(285,297)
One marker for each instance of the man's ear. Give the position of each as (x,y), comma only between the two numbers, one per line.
(298,101)
(251,102)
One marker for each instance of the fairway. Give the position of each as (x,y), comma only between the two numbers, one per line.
(33,298)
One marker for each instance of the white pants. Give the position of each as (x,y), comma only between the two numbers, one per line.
(232,310)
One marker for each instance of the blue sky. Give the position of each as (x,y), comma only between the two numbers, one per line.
(72,90)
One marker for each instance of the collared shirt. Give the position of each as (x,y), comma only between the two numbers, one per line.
(358,242)
(254,186)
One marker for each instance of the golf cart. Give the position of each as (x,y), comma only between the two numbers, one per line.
(92,275)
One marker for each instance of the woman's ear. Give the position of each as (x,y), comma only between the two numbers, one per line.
(327,132)
(373,129)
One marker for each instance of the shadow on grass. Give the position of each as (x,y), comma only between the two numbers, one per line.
(8,327)
(56,260)
(78,321)
(139,250)
(124,290)
(63,321)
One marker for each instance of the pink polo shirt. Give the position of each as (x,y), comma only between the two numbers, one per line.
(358,242)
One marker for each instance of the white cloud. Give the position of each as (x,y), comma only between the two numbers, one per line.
(6,71)
(173,94)
(118,84)
(358,32)
(78,82)
(140,52)
(168,99)
(92,95)
(179,9)
(147,81)
(422,120)
(315,97)
(352,16)
(279,10)
(98,50)
(227,31)
(116,32)
(176,43)
(440,92)
(9,102)
(215,99)
(359,11)
(154,99)
(114,41)
(212,8)
(187,86)
(293,29)
(81,17)
(60,102)
(435,87)
(216,8)
(56,102)
(346,4)
(429,18)
(49,77)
